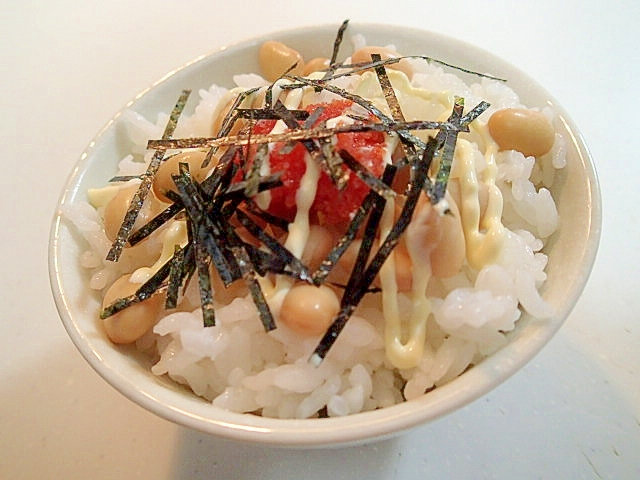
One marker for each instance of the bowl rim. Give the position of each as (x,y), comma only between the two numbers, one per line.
(357,428)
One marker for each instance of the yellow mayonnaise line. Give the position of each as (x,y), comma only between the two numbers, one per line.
(99,197)
(393,328)
(298,235)
(404,340)
(298,229)
(420,304)
(415,103)
(176,234)
(484,237)
(403,346)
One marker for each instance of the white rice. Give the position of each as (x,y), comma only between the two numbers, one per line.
(238,366)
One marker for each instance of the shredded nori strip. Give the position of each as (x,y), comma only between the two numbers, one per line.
(222,173)
(196,210)
(265,263)
(208,157)
(352,68)
(281,112)
(252,178)
(202,256)
(138,198)
(287,116)
(238,190)
(333,164)
(269,114)
(343,243)
(333,61)
(293,264)
(364,103)
(203,261)
(146,290)
(248,274)
(338,41)
(175,278)
(387,90)
(215,242)
(408,147)
(274,220)
(447,139)
(228,121)
(329,159)
(372,205)
(256,292)
(421,172)
(368,236)
(232,116)
(155,223)
(474,113)
(313,117)
(307,134)
(373,182)
(124,178)
(118,305)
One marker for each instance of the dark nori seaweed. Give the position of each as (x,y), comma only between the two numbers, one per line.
(373,182)
(387,126)
(387,90)
(175,277)
(338,41)
(124,178)
(269,114)
(211,206)
(323,271)
(292,264)
(447,143)
(351,68)
(138,198)
(155,223)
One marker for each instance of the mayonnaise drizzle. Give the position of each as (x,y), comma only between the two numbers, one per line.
(298,235)
(484,237)
(404,346)
(176,234)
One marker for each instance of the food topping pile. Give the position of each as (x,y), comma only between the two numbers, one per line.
(377,199)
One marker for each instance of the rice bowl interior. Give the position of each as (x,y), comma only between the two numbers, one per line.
(571,253)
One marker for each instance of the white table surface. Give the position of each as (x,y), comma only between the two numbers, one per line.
(67,67)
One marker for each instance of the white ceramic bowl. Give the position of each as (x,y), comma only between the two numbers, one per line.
(571,255)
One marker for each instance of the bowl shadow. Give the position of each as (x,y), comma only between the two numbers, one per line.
(201,456)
